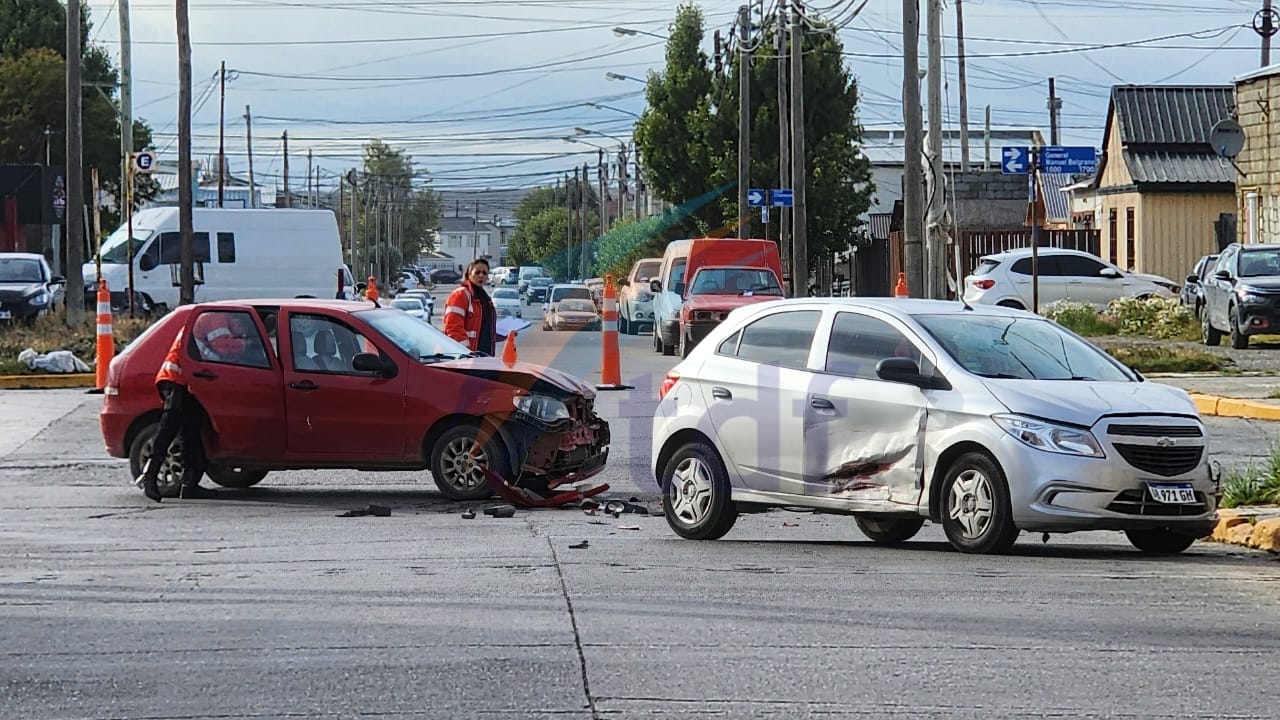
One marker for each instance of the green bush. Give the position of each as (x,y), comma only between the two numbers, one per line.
(1254,484)
(1159,318)
(1080,318)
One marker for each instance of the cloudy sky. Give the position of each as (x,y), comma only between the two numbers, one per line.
(483,92)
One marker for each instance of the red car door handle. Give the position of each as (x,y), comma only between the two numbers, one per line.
(304,385)
(205,374)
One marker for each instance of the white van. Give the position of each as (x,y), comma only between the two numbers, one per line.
(239,253)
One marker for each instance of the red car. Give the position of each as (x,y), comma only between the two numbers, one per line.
(716,291)
(350,385)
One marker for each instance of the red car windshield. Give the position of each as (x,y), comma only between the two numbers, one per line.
(413,336)
(734,281)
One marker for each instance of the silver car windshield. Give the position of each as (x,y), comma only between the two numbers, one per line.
(1021,348)
(413,336)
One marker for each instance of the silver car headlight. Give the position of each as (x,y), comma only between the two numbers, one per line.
(40,298)
(1251,297)
(1050,437)
(542,407)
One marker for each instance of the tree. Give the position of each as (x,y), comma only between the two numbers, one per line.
(688,135)
(33,97)
(396,211)
(541,234)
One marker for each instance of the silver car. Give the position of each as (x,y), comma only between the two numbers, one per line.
(989,421)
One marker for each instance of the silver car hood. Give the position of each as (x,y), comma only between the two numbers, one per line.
(1084,403)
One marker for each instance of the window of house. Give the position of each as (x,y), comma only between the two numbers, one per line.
(1113,238)
(1130,242)
(859,342)
(781,339)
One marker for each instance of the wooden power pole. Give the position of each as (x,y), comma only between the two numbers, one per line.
(248,142)
(744,120)
(799,170)
(913,177)
(288,199)
(222,133)
(936,231)
(784,144)
(187,284)
(964,89)
(75,172)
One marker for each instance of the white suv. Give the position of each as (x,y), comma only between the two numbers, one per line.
(1005,279)
(635,298)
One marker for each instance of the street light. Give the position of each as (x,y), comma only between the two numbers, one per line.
(619,76)
(632,32)
(601,106)
(587,131)
(584,142)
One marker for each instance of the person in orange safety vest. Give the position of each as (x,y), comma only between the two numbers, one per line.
(215,340)
(469,314)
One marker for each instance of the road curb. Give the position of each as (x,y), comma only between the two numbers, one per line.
(1235,407)
(1252,528)
(48,382)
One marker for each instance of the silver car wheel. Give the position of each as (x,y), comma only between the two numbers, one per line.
(463,462)
(972,504)
(690,492)
(171,468)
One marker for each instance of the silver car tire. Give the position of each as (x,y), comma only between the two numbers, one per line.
(888,530)
(976,514)
(457,462)
(696,495)
(172,469)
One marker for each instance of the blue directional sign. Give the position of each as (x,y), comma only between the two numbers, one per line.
(1015,160)
(1068,159)
(755,197)
(782,197)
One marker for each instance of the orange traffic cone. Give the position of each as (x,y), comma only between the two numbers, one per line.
(106,348)
(509,352)
(371,292)
(900,290)
(610,369)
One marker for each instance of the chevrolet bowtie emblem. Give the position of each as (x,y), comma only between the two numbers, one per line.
(1165,442)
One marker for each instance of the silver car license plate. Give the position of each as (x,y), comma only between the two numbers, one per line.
(1180,494)
(5,315)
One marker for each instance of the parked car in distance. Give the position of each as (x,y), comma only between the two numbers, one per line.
(596,286)
(1005,279)
(28,288)
(527,274)
(822,403)
(537,289)
(681,260)
(572,314)
(428,300)
(510,276)
(412,306)
(506,300)
(1241,295)
(1189,295)
(635,297)
(445,276)
(440,407)
(564,291)
(714,292)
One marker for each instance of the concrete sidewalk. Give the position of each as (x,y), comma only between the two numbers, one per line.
(1250,396)
(24,414)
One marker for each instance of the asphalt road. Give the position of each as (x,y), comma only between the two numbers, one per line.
(265,604)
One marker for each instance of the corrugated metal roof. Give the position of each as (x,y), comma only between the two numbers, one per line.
(1170,114)
(878,225)
(1178,167)
(1057,204)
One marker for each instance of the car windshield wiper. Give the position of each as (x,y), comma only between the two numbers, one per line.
(1001,376)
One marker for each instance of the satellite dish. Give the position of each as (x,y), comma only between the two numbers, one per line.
(1227,138)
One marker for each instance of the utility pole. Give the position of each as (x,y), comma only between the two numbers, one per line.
(799,170)
(355,267)
(784,142)
(55,237)
(600,180)
(936,245)
(568,206)
(248,142)
(586,193)
(964,89)
(1268,29)
(744,120)
(308,200)
(222,132)
(1055,107)
(622,183)
(187,277)
(75,171)
(126,88)
(913,180)
(986,139)
(288,200)
(475,233)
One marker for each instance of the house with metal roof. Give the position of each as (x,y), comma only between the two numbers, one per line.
(1258,194)
(1160,186)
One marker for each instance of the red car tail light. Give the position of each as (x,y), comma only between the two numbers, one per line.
(984,284)
(668,382)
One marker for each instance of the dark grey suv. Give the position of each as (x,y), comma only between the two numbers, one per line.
(1241,295)
(28,288)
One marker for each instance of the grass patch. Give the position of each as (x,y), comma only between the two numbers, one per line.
(1156,318)
(50,332)
(1255,484)
(1085,320)
(1159,359)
